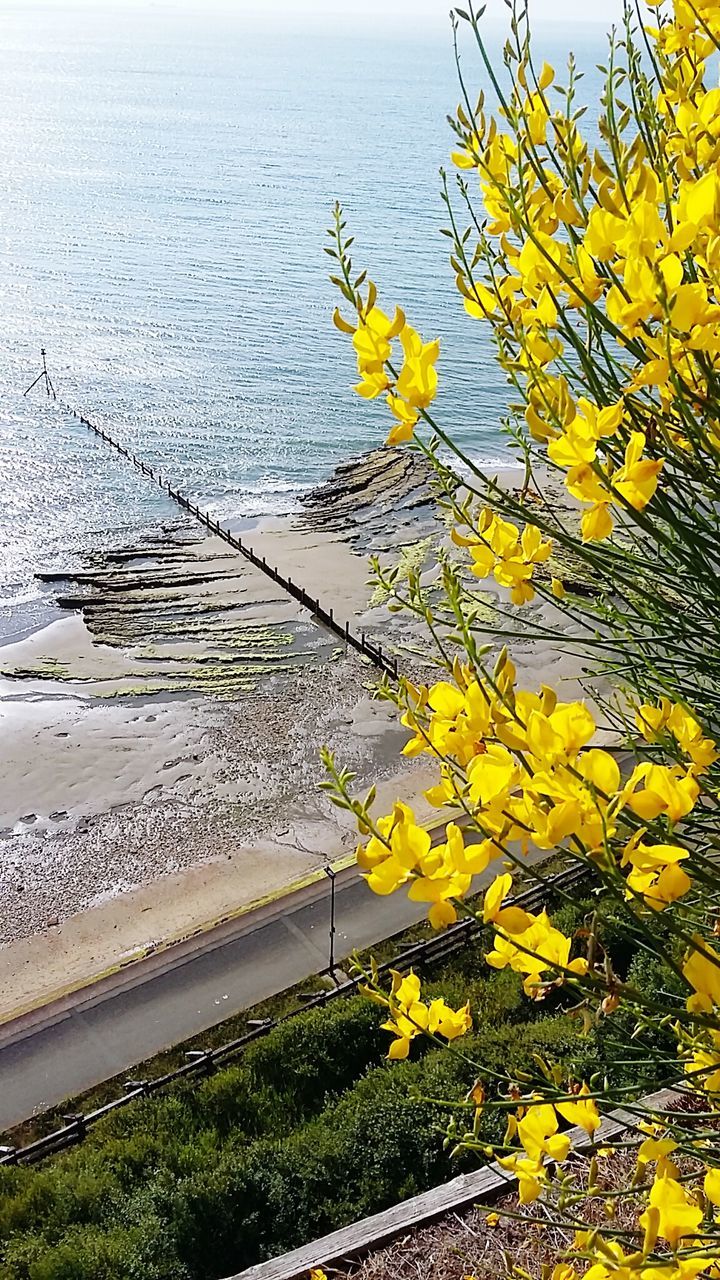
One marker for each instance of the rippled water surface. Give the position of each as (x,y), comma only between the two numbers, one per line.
(168,178)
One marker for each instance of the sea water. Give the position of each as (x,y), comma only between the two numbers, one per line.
(168,177)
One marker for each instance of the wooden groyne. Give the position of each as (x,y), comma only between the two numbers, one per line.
(368,649)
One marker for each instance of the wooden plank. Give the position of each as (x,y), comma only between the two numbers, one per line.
(483,1185)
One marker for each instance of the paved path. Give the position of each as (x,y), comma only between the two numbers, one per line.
(264,953)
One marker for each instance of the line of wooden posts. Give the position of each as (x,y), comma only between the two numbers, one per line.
(370,650)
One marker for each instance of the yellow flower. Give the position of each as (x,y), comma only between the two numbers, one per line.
(472,858)
(600,422)
(530,1176)
(372,339)
(688,734)
(447,1022)
(492,774)
(702,1069)
(439,879)
(507,553)
(479,301)
(466,159)
(538,1132)
(702,971)
(604,230)
(418,379)
(445,703)
(576,450)
(411,1016)
(711,1185)
(597,523)
(377,849)
(700,201)
(659,888)
(560,734)
(651,720)
(511,919)
(584,800)
(666,789)
(407,417)
(405,1028)
(690,307)
(390,860)
(656,1149)
(628,315)
(532,952)
(373,383)
(655,872)
(581,1111)
(636,480)
(653,374)
(577,447)
(679,1214)
(402,853)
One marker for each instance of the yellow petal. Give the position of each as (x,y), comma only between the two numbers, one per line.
(462,160)
(340,323)
(401,433)
(711,1185)
(601,770)
(597,523)
(399,1049)
(441,914)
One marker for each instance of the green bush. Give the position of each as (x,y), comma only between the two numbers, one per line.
(318,1054)
(312,1129)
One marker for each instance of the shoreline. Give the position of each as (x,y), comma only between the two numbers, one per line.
(171,727)
(238,525)
(132,812)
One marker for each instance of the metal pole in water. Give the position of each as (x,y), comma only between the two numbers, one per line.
(44,376)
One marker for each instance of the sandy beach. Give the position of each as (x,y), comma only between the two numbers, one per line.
(159,765)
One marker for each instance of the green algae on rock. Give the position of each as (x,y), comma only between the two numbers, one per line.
(192,617)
